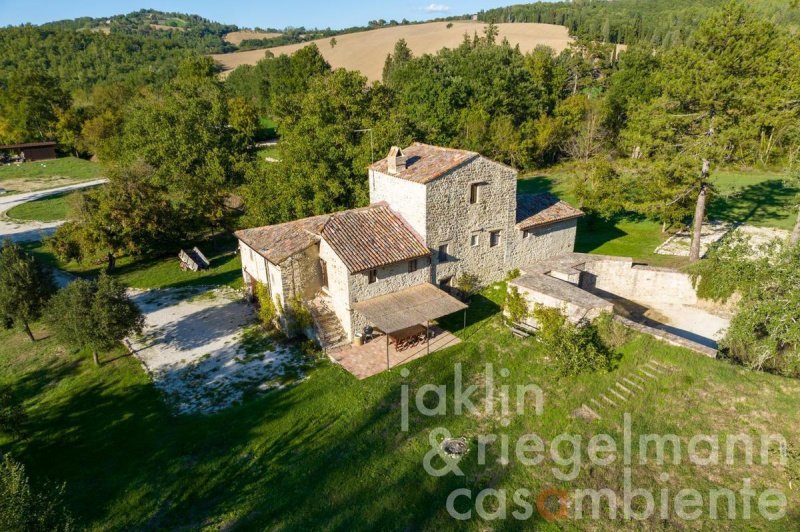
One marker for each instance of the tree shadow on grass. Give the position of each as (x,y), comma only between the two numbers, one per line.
(534,185)
(594,232)
(768,201)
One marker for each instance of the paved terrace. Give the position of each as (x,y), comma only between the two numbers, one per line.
(371,358)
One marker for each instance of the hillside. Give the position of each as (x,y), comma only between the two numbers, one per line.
(184,30)
(366,51)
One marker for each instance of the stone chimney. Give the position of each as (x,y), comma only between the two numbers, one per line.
(397,161)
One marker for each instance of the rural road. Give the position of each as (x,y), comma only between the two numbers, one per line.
(30,231)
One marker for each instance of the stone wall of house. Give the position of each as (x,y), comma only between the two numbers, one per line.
(637,282)
(338,284)
(392,278)
(254,266)
(301,274)
(452,220)
(541,243)
(404,197)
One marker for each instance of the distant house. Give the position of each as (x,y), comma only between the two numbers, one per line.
(32,151)
(435,213)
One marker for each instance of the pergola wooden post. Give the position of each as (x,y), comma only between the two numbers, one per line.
(465,321)
(428,335)
(387,350)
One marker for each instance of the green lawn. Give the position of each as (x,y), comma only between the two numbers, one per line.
(753,197)
(46,174)
(267,128)
(49,209)
(268,151)
(161,272)
(329,453)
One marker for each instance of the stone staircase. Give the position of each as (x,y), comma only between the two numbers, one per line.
(328,327)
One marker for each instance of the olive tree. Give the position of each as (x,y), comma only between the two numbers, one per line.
(94,315)
(25,287)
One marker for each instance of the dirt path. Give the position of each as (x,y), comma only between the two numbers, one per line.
(31,231)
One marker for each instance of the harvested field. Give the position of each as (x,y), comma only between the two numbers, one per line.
(366,51)
(236,37)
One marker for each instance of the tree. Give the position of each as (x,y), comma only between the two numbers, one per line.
(30,105)
(23,508)
(395,60)
(323,152)
(718,97)
(94,315)
(25,286)
(186,134)
(129,215)
(764,334)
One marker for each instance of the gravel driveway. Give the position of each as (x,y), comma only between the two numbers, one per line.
(204,351)
(30,231)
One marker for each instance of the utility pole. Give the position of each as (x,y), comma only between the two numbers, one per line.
(371,143)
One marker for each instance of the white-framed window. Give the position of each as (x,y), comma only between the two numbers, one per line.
(494,239)
(474,240)
(372,276)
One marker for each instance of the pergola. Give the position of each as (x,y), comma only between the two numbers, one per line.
(407,308)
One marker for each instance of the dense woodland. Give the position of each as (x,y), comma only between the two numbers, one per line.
(662,24)
(644,127)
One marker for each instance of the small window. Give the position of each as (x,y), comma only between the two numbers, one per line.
(412,266)
(474,194)
(373,276)
(444,252)
(525,233)
(494,239)
(474,240)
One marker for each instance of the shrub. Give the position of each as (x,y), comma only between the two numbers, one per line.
(22,508)
(267,310)
(468,284)
(513,274)
(516,305)
(612,333)
(12,415)
(573,348)
(300,314)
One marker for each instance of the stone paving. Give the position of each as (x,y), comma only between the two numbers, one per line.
(370,359)
(680,243)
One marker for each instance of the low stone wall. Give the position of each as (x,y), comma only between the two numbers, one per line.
(638,282)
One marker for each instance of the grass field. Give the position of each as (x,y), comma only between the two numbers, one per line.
(329,453)
(160,272)
(366,51)
(49,209)
(41,175)
(753,197)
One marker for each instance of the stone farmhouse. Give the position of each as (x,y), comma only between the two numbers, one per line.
(435,213)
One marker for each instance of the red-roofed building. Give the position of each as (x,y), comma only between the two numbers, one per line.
(435,214)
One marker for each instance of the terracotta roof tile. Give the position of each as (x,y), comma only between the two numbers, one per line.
(372,237)
(536,210)
(426,163)
(279,242)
